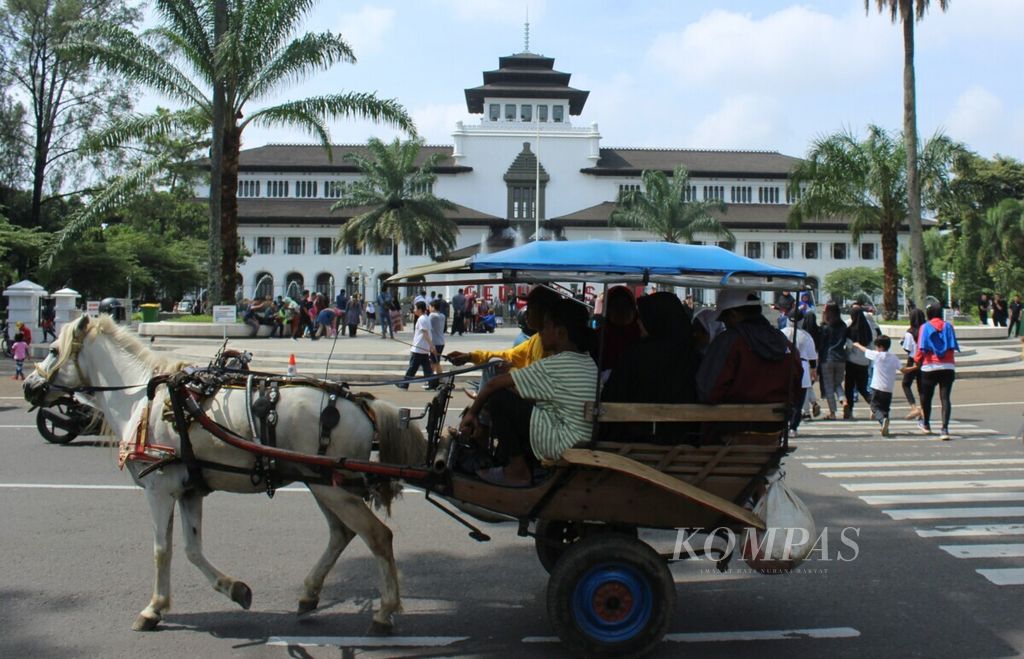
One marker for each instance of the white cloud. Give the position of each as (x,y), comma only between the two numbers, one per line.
(978,117)
(365,29)
(796,48)
(495,10)
(435,123)
(745,121)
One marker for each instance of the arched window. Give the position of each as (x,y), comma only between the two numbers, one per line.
(325,284)
(263,285)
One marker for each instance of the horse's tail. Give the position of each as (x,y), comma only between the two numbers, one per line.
(398,445)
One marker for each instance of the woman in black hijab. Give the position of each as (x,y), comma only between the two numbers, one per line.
(657,369)
(856,364)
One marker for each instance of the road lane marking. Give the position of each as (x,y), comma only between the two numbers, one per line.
(944,497)
(934,485)
(1009,550)
(954,513)
(971,530)
(30,426)
(367,641)
(911,463)
(65,486)
(1007,576)
(880,473)
(752,635)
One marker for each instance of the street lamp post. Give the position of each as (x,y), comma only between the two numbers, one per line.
(949,278)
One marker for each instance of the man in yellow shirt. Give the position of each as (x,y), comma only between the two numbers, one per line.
(540,300)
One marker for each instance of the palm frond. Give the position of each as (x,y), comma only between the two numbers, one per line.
(135,128)
(335,106)
(305,55)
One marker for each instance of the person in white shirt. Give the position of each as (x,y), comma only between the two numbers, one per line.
(883,379)
(808,360)
(422,346)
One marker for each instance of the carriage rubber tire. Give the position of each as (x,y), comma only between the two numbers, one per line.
(48,434)
(610,596)
(552,537)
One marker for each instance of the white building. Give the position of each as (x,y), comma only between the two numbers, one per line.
(491,173)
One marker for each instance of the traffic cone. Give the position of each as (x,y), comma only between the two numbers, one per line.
(291,365)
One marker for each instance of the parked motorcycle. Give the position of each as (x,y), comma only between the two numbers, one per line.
(68,418)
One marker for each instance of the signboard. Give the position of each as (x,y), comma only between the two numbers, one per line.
(224,314)
(92,308)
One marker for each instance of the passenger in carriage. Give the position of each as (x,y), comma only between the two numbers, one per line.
(620,328)
(538,302)
(537,411)
(750,362)
(659,368)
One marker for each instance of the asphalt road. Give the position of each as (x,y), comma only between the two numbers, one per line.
(938,527)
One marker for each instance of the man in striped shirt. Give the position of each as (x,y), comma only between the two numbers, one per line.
(538,410)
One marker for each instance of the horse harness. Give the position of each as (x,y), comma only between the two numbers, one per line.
(189,388)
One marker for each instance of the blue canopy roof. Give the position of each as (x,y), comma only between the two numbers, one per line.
(652,261)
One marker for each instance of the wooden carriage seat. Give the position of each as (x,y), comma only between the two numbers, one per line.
(723,424)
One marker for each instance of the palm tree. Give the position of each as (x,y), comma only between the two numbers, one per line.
(394,201)
(907,12)
(250,57)
(663,208)
(866,183)
(1002,244)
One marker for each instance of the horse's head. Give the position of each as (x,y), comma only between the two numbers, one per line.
(60,370)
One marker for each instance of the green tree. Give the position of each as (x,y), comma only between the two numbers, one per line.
(66,97)
(851,283)
(184,60)
(908,12)
(662,207)
(1002,245)
(864,182)
(18,248)
(394,201)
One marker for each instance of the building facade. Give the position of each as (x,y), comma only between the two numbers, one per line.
(525,165)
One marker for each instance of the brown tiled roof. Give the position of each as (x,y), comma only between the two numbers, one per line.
(318,212)
(734,164)
(313,158)
(736,216)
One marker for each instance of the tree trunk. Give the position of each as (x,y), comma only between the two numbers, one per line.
(42,150)
(917,265)
(890,252)
(394,256)
(215,275)
(229,213)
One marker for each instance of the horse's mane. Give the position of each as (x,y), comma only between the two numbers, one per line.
(105,325)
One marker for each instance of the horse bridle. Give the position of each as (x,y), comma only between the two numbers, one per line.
(85,387)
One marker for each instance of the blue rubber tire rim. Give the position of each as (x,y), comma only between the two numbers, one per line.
(612,603)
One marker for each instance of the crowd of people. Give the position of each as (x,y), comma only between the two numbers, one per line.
(313,316)
(1003,313)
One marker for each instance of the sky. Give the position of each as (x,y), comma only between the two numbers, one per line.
(728,74)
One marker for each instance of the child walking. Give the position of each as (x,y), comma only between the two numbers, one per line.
(883,379)
(19,351)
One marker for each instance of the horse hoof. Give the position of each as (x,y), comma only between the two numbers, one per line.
(241,595)
(144,624)
(308,605)
(380,629)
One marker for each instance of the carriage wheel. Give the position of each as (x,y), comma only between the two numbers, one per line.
(610,595)
(552,537)
(50,431)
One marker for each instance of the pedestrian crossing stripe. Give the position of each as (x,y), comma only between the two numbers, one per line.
(1011,576)
(913,463)
(1002,483)
(1008,550)
(956,513)
(943,497)
(971,530)
(881,473)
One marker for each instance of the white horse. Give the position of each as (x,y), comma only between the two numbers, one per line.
(99,354)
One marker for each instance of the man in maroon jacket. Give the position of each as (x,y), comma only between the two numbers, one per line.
(751,361)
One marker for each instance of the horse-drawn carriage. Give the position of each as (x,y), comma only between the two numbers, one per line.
(609,593)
